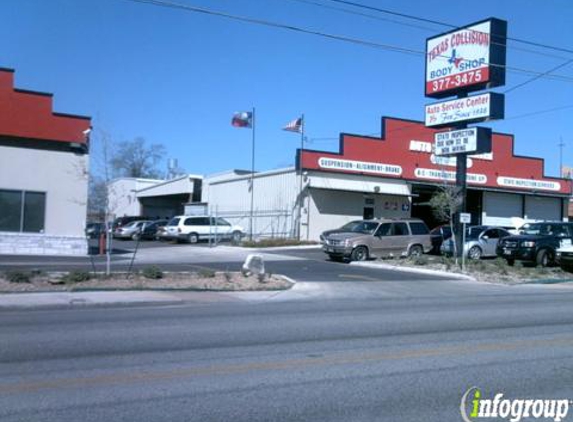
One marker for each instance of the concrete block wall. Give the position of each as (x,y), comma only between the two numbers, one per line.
(42,244)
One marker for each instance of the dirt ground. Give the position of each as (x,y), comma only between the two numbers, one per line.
(216,281)
(490,270)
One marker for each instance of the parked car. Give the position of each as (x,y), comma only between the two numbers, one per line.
(438,235)
(389,237)
(195,228)
(481,242)
(149,230)
(537,243)
(94,230)
(125,220)
(357,226)
(130,230)
(564,255)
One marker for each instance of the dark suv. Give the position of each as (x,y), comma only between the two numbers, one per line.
(536,243)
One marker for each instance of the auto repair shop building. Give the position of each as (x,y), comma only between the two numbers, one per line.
(391,176)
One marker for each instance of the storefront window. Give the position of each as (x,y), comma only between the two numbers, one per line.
(11,214)
(22,211)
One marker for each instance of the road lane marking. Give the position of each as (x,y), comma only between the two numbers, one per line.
(288,364)
(358,277)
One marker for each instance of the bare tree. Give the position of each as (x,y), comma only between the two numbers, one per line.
(445,203)
(137,159)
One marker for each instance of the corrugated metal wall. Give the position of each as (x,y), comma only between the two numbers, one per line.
(274,202)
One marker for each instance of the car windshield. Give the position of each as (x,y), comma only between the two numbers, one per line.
(174,221)
(360,226)
(474,232)
(543,229)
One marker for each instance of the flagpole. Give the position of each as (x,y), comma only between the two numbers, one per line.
(252,176)
(300,183)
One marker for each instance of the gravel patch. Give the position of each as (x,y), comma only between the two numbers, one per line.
(216,281)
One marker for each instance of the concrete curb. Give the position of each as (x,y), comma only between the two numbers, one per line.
(413,270)
(276,248)
(52,300)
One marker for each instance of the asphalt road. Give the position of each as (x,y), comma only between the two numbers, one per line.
(298,264)
(403,358)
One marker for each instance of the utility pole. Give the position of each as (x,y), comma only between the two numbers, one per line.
(561,144)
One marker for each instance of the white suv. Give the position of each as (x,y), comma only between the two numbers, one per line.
(195,228)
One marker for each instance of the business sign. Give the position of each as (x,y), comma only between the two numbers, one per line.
(466,59)
(423,146)
(465,218)
(463,141)
(448,176)
(359,166)
(477,108)
(514,182)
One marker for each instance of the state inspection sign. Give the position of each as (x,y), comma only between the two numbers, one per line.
(475,140)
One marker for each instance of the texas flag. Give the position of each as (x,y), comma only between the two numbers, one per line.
(242,119)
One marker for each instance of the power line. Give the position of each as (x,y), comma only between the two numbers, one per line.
(356,41)
(538,76)
(409,125)
(426,28)
(435,22)
(533,79)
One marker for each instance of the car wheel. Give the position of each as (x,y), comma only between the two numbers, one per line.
(510,262)
(236,237)
(543,258)
(359,254)
(193,238)
(474,252)
(415,251)
(135,236)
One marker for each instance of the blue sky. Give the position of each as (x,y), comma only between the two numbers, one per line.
(175,77)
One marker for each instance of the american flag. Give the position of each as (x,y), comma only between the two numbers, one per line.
(294,126)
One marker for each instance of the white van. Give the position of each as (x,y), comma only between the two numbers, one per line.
(195,228)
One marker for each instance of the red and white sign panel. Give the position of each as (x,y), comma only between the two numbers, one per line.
(466,59)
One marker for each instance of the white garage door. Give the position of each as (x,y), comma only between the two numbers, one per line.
(499,208)
(539,208)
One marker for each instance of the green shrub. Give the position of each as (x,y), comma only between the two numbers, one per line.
(476,265)
(420,260)
(206,273)
(153,272)
(447,261)
(18,277)
(500,265)
(77,276)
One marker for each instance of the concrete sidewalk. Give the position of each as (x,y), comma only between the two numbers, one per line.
(47,300)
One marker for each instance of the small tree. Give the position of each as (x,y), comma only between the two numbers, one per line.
(445,203)
(136,159)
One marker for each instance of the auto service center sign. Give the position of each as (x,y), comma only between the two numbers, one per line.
(466,59)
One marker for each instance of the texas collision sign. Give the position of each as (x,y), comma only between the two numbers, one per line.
(476,108)
(466,59)
(475,140)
